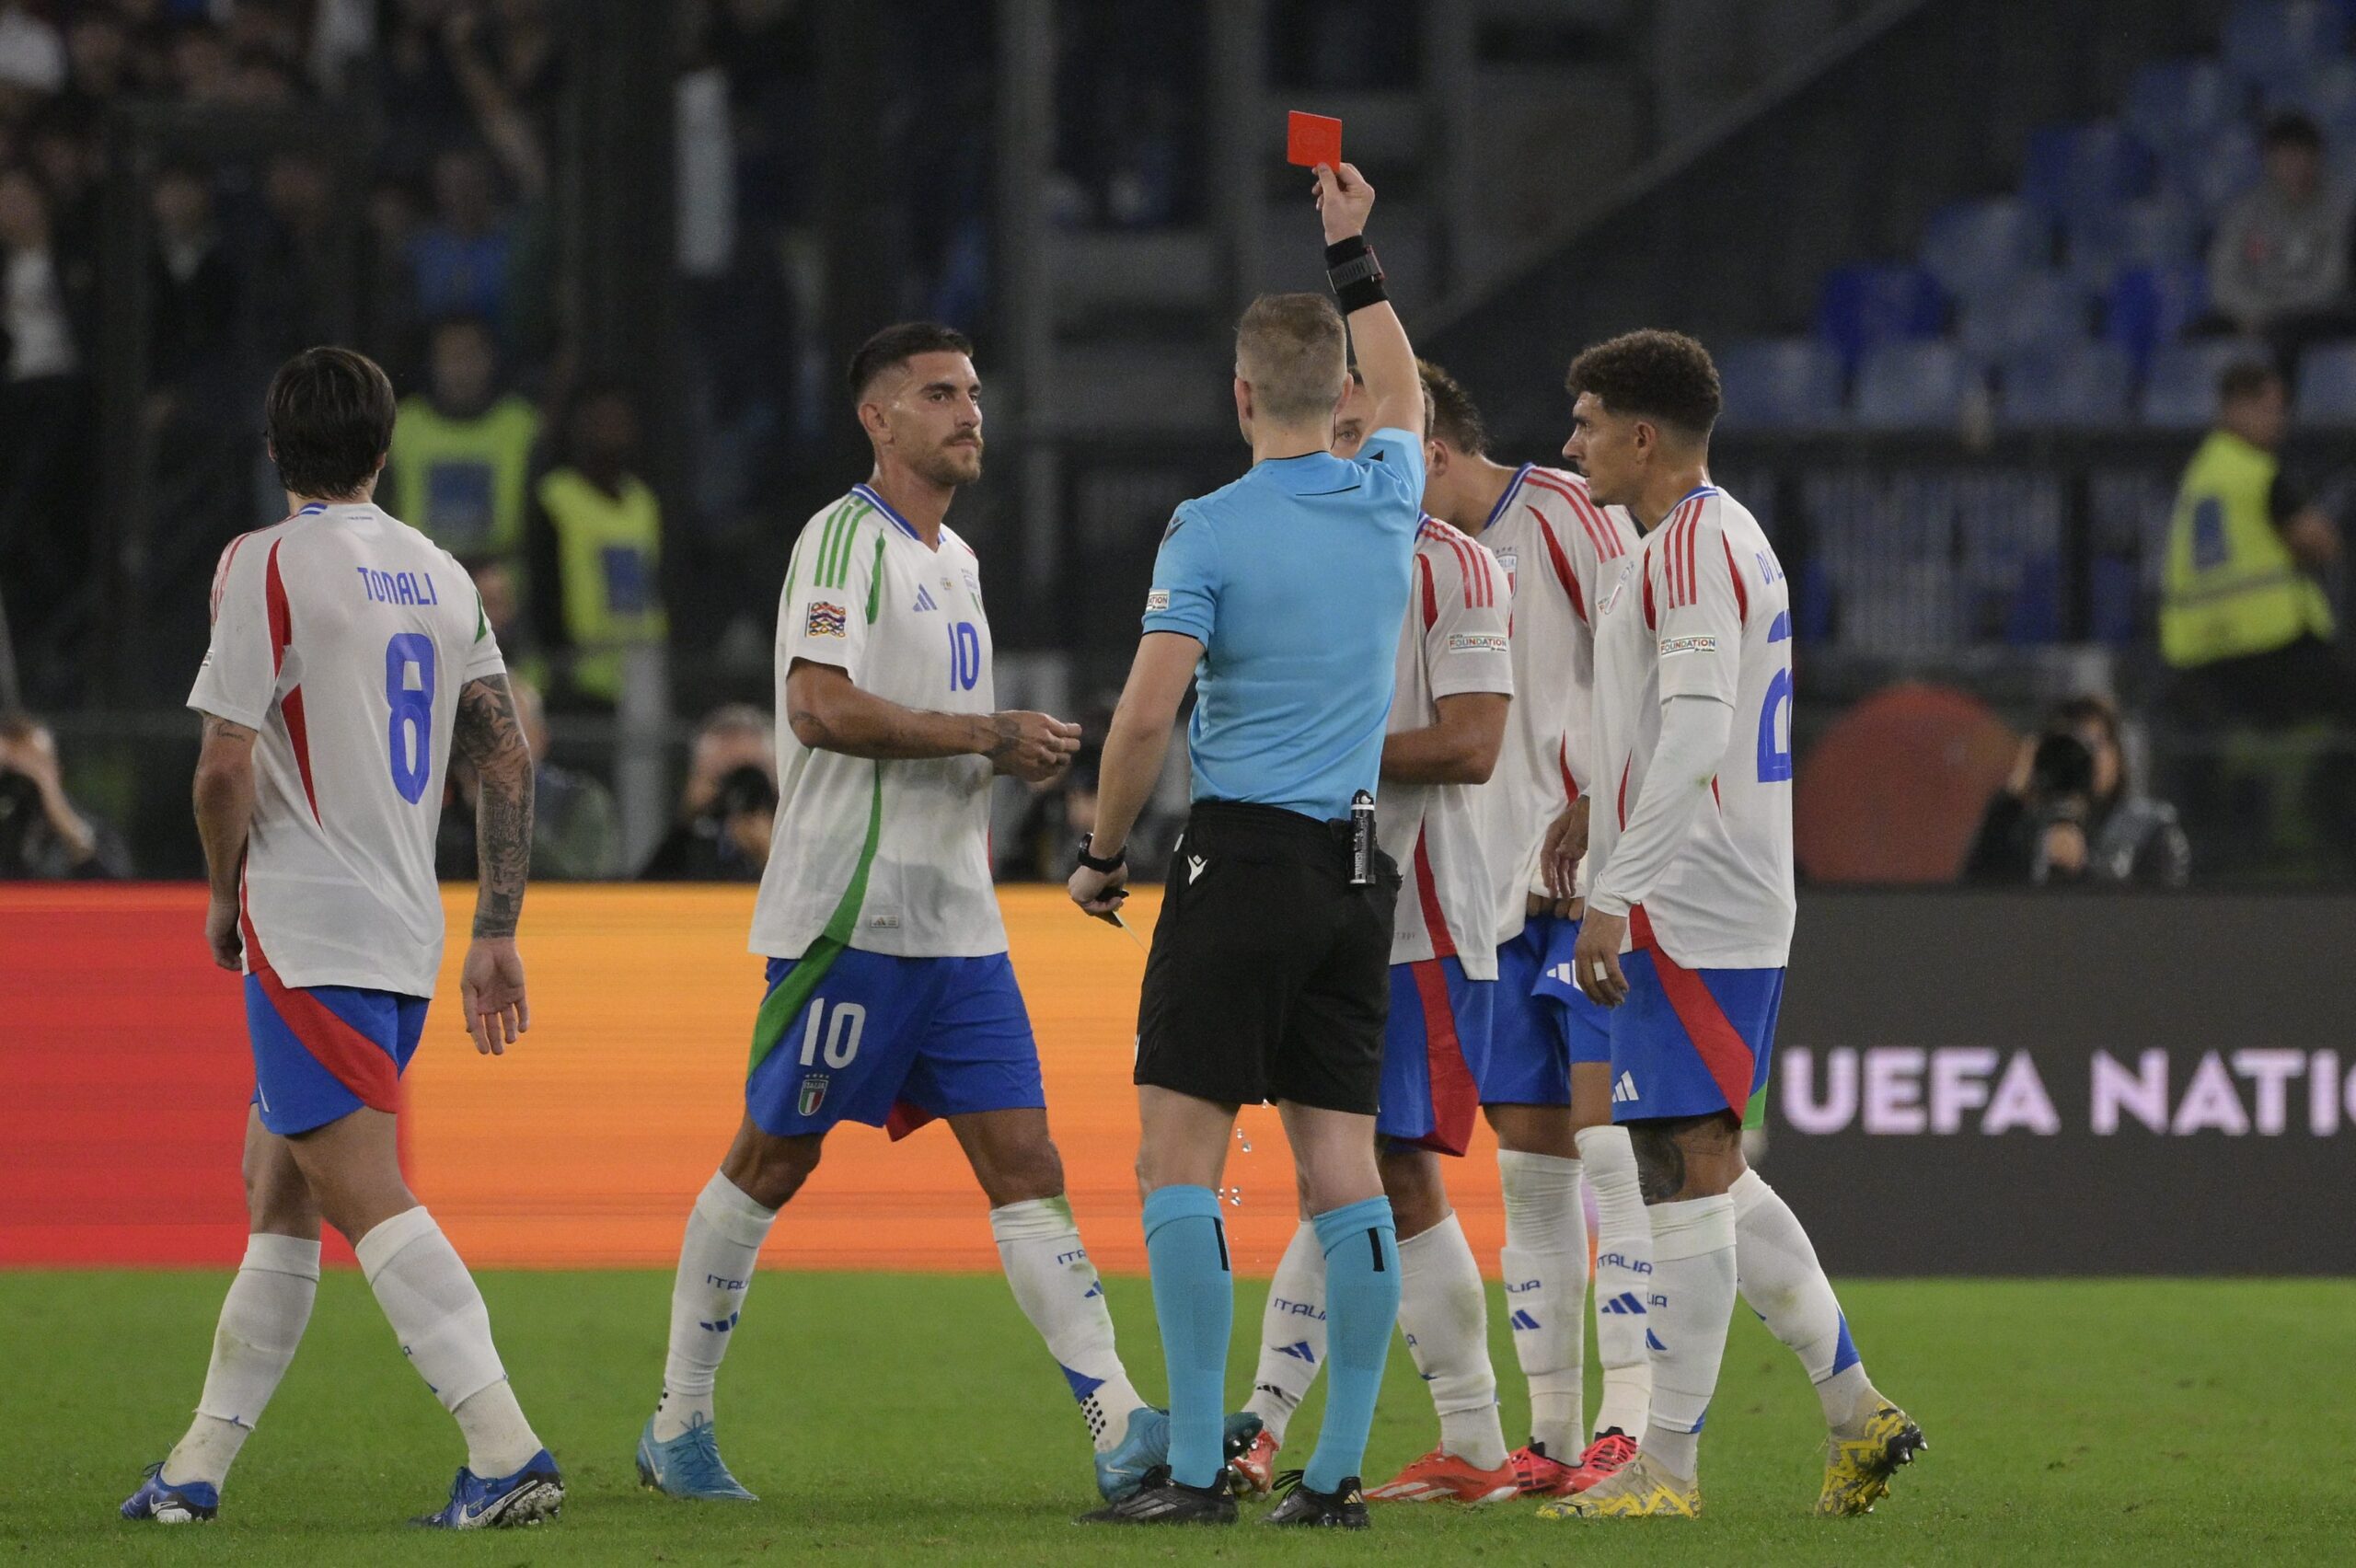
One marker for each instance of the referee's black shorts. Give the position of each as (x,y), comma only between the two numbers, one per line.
(1270,975)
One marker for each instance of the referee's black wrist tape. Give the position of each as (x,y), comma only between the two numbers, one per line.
(1355,272)
(1102,863)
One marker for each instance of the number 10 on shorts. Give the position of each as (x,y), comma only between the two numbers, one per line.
(840,1034)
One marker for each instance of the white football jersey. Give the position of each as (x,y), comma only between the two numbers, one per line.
(1454,642)
(886,857)
(1704,610)
(1556,546)
(342,637)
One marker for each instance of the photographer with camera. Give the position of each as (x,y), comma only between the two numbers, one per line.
(2069,814)
(43,835)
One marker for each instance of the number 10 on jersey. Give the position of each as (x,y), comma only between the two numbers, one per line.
(964,656)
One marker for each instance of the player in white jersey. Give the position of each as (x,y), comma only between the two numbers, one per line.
(1547,1088)
(1453,687)
(349,659)
(1688,920)
(890,999)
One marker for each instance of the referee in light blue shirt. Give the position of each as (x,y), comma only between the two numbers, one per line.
(1281,597)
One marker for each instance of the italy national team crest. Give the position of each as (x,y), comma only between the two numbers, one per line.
(813,1094)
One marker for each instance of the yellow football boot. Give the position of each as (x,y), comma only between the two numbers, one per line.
(1641,1489)
(1857,1469)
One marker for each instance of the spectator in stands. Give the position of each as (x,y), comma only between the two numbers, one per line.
(98,52)
(43,834)
(728,806)
(388,318)
(499,585)
(202,68)
(460,257)
(2278,264)
(192,291)
(45,426)
(302,260)
(595,545)
(32,59)
(2069,815)
(576,834)
(506,68)
(462,451)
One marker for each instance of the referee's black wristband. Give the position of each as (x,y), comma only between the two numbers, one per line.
(1355,272)
(1100,863)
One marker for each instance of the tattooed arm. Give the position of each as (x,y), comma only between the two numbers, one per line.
(489,738)
(828,712)
(224,813)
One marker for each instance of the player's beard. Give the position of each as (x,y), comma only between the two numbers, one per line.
(953,463)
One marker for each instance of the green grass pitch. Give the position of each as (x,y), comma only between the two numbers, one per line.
(905,1419)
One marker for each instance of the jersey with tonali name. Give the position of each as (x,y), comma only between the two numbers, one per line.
(342,637)
(1556,546)
(886,857)
(1454,643)
(1704,611)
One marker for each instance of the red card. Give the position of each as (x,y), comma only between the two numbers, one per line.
(1313,139)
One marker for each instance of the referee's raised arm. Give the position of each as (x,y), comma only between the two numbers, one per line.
(1279,598)
(1386,359)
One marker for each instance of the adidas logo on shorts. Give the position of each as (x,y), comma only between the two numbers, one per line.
(1623,1090)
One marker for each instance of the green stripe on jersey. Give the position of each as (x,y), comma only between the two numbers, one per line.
(840,565)
(780,1007)
(824,549)
(875,584)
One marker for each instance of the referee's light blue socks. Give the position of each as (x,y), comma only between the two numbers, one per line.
(1194,1298)
(1361,1243)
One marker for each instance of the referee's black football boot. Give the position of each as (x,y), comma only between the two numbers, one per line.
(1163,1500)
(1341,1509)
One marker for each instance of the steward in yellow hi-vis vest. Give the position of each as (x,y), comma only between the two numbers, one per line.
(2236,583)
(461,461)
(601,555)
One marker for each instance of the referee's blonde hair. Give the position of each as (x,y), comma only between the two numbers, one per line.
(1293,350)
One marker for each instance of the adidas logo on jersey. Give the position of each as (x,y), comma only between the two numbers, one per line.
(1626,1304)
(924,599)
(1623,1090)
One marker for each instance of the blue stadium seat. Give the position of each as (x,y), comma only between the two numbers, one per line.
(2074,167)
(2039,309)
(2209,175)
(1912,387)
(2180,391)
(2327,384)
(2156,231)
(2170,102)
(1861,306)
(1781,382)
(2325,94)
(2070,386)
(1976,249)
(2150,307)
(2271,41)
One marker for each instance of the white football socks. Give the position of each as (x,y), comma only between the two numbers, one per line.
(1776,1268)
(1623,1280)
(1445,1312)
(1058,1290)
(1546,1261)
(716,1259)
(262,1323)
(445,1329)
(1292,1334)
(1694,1275)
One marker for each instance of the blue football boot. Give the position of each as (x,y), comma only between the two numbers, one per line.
(531,1494)
(688,1466)
(159,1499)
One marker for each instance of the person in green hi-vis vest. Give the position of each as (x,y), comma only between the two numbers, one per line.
(461,461)
(595,542)
(2244,619)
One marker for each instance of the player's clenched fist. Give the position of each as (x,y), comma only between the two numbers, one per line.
(1035,747)
(1344,199)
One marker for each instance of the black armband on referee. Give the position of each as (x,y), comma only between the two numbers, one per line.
(1101,864)
(1356,276)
